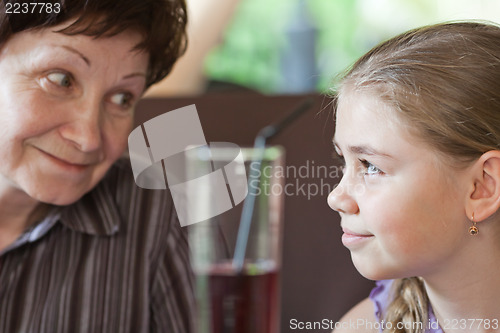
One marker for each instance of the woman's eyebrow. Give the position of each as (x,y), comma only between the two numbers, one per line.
(70,49)
(87,61)
(363,150)
(136,74)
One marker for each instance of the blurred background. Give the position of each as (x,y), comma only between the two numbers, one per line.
(249,62)
(295,46)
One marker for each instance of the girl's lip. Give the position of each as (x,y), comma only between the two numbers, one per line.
(351,239)
(356,234)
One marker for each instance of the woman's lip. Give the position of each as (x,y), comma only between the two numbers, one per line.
(65,164)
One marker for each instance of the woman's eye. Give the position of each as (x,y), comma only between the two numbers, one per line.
(61,79)
(122,99)
(370,169)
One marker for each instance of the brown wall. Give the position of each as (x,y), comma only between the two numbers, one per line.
(319,281)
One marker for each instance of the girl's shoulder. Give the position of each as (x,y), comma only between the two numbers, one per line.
(360,318)
(366,315)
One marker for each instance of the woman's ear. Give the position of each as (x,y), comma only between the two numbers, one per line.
(484,199)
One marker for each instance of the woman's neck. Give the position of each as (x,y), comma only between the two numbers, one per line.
(17,211)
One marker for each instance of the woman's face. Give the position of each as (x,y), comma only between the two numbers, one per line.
(402,209)
(66,109)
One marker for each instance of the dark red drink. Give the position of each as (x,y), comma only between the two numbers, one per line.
(244,303)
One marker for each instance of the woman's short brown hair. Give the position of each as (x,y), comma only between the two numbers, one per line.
(161,22)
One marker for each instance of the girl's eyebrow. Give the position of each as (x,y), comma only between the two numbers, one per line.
(363,150)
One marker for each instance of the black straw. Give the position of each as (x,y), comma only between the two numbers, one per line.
(253,178)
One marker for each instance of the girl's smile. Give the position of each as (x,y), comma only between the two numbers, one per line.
(351,239)
(396,197)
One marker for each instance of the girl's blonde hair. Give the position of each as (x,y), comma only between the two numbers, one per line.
(443,81)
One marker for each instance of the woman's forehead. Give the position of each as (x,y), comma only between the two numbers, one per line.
(52,36)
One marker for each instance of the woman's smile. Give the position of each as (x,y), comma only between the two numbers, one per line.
(69,105)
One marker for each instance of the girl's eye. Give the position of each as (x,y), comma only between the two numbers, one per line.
(370,169)
(61,79)
(339,160)
(123,99)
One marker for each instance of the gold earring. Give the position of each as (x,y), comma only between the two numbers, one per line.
(473,230)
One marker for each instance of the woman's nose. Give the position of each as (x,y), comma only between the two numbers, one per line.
(341,200)
(84,129)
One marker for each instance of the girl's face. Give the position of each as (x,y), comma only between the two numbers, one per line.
(66,109)
(402,209)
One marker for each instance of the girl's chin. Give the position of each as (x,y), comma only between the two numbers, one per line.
(375,271)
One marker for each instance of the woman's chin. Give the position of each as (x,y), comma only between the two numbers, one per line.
(55,195)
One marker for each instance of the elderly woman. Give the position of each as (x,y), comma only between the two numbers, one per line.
(82,249)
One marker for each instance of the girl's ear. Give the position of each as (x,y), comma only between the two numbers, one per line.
(484,199)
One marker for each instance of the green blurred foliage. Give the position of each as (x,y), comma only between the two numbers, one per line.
(250,54)
(253,43)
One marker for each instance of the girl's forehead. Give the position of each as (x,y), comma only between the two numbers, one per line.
(363,116)
(367,103)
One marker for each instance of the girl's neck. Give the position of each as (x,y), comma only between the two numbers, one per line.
(468,287)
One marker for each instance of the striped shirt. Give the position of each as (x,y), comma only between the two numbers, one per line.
(115,261)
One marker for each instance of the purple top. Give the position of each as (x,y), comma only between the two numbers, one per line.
(380,297)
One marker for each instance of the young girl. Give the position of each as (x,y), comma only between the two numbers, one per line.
(418,128)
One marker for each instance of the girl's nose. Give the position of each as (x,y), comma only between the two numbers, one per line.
(341,200)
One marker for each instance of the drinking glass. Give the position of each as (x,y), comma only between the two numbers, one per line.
(236,293)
